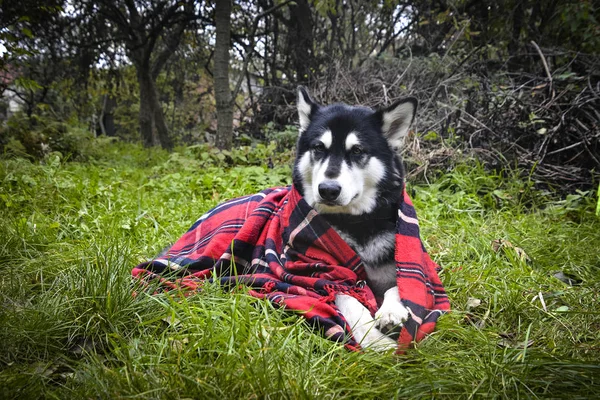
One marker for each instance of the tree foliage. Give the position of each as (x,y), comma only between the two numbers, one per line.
(150,32)
(488,73)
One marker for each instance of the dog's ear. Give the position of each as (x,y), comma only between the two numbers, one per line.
(306,108)
(396,119)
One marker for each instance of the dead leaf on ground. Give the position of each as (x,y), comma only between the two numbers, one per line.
(505,343)
(507,340)
(569,279)
(84,345)
(172,321)
(178,345)
(477,321)
(473,302)
(498,244)
(45,369)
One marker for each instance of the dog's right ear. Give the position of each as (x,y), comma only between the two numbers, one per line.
(306,108)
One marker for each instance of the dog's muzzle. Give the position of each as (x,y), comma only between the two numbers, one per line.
(329,191)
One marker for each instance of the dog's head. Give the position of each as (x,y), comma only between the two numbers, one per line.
(347,156)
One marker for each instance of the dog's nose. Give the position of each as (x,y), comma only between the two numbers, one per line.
(329,190)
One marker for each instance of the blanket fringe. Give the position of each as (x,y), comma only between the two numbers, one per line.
(331,292)
(268,287)
(358,293)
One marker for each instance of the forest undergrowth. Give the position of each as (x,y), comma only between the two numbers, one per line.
(520,266)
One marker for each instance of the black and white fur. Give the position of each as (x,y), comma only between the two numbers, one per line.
(348,169)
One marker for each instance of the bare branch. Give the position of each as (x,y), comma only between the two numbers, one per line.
(548,74)
(250,46)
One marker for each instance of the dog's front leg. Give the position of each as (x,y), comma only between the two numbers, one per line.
(362,325)
(392,312)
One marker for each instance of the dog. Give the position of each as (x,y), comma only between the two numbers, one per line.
(349,169)
(282,242)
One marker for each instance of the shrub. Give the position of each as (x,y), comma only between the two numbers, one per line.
(38,136)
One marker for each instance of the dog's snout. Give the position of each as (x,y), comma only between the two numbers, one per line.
(329,190)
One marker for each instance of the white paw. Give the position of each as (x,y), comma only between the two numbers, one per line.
(375,340)
(392,312)
(362,325)
(391,315)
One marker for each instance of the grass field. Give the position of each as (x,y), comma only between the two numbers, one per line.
(521,268)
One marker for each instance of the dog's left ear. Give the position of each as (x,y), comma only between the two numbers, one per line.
(396,119)
(306,108)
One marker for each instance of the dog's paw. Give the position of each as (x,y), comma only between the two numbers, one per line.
(377,341)
(390,315)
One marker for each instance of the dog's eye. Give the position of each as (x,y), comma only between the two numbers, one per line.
(357,150)
(319,147)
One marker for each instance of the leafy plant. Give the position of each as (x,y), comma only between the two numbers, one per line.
(38,136)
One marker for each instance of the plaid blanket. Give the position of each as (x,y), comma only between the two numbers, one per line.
(286,252)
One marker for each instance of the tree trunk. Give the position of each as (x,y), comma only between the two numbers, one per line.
(274,79)
(152,120)
(221,75)
(101,119)
(109,116)
(159,121)
(146,117)
(514,62)
(301,39)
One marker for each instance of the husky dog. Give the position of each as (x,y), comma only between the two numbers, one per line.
(348,168)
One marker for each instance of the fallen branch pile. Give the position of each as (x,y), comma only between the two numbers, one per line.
(541,120)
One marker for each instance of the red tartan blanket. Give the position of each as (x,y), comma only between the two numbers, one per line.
(286,252)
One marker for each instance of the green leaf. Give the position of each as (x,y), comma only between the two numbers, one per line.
(28,84)
(431,135)
(565,76)
(27,32)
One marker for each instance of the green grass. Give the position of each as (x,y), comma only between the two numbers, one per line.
(70,328)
